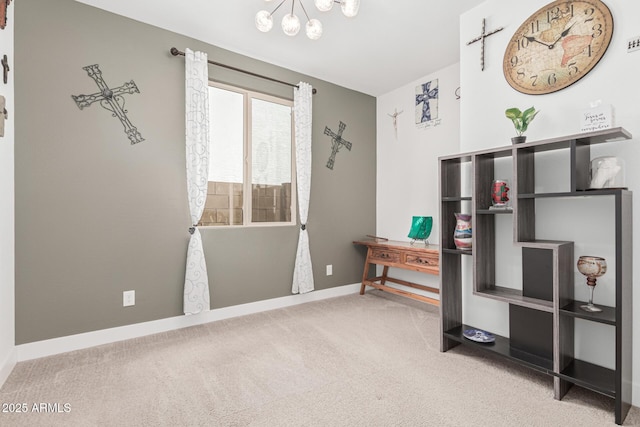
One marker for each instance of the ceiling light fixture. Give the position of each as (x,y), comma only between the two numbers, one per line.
(291,23)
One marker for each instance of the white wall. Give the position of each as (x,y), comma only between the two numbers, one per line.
(7,334)
(407,178)
(487,94)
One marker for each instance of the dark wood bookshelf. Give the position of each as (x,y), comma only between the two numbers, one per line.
(515,296)
(493,211)
(590,376)
(542,308)
(502,347)
(457,251)
(577,193)
(456,199)
(606,316)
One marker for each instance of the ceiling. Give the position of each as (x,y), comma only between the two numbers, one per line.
(389,44)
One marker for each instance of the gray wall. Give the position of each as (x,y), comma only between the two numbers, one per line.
(96,216)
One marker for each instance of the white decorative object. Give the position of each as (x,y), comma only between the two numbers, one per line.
(196,282)
(264,21)
(350,7)
(291,22)
(302,109)
(599,117)
(314,29)
(607,172)
(394,116)
(324,5)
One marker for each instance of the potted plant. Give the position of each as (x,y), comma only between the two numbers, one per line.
(521,120)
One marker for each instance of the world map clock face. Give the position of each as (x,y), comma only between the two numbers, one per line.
(557,46)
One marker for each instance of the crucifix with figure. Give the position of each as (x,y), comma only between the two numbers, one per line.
(394,116)
(336,143)
(111,100)
(481,38)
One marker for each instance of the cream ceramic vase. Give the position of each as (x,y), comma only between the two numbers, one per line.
(462,234)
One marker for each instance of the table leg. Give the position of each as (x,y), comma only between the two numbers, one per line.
(365,273)
(385,270)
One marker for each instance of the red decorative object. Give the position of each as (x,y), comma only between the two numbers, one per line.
(500,193)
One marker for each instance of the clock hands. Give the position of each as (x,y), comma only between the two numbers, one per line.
(562,35)
(552,45)
(533,39)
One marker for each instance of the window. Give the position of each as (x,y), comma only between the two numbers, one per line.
(251,165)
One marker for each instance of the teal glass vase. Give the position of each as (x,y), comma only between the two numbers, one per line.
(420,228)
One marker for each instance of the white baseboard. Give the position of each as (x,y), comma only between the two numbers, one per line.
(53,346)
(6,366)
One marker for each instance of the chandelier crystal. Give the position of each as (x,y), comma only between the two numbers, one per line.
(350,7)
(290,24)
(324,5)
(264,21)
(313,28)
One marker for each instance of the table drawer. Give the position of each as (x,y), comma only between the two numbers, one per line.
(428,261)
(384,255)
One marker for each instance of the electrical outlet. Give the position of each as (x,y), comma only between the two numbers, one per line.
(128,298)
(329,270)
(633,44)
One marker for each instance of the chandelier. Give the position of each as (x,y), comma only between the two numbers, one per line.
(291,23)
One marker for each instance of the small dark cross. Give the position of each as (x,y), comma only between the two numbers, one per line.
(481,37)
(424,97)
(111,100)
(5,67)
(336,142)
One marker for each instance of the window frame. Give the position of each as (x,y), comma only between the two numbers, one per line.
(247,172)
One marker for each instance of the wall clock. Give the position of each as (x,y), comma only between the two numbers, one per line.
(557,46)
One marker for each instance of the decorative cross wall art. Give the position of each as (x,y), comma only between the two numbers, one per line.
(394,116)
(336,143)
(481,37)
(111,100)
(427,102)
(3,114)
(5,69)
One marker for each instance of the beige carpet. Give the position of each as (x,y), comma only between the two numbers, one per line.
(368,360)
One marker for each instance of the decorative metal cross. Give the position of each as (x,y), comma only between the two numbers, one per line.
(424,97)
(481,37)
(336,142)
(111,100)
(5,68)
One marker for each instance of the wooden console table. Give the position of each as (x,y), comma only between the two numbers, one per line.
(416,257)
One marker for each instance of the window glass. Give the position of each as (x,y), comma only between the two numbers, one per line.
(270,161)
(253,129)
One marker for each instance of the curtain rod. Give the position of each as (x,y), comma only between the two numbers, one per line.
(176,52)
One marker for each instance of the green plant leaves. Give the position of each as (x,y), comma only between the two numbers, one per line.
(513,113)
(521,119)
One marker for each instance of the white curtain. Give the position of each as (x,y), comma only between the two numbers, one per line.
(303,271)
(196,282)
